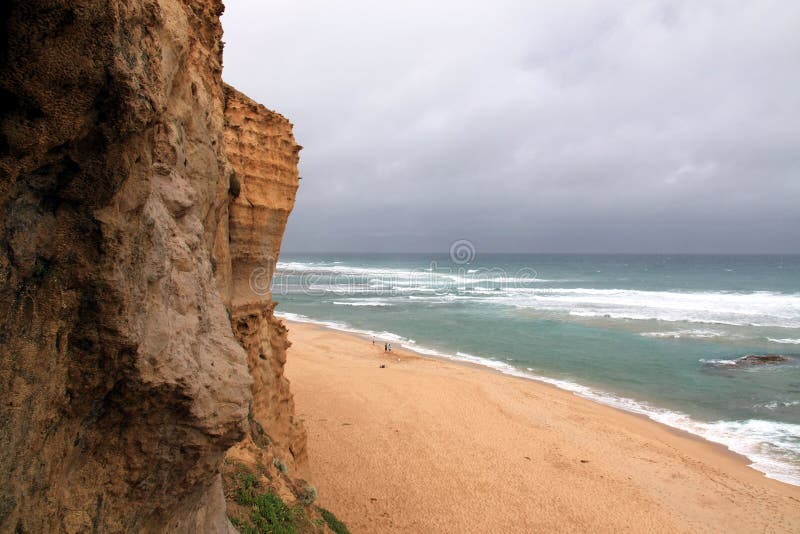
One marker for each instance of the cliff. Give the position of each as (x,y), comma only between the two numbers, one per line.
(264,155)
(122,385)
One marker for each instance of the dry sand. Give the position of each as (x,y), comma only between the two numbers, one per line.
(425,445)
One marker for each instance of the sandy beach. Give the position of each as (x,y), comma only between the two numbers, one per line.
(425,445)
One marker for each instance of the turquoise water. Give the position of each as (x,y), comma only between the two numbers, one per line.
(656,335)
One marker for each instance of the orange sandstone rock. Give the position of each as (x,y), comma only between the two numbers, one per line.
(121,382)
(264,156)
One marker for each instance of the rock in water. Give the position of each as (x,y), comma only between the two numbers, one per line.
(762,359)
(750,360)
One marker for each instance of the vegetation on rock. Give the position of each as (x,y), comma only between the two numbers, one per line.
(257,508)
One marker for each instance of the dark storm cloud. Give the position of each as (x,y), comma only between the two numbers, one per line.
(533,126)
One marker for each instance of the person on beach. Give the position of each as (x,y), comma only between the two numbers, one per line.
(385,347)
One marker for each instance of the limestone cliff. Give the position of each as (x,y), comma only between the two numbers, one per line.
(264,156)
(121,382)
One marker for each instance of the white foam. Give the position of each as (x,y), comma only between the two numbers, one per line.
(335,268)
(772,447)
(774,405)
(430,277)
(719,362)
(333,325)
(760,308)
(676,334)
(363,302)
(467,279)
(298,318)
(785,341)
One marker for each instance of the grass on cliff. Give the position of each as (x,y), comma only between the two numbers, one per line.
(270,514)
(267,512)
(260,510)
(333,522)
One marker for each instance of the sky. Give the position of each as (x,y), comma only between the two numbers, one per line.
(537,126)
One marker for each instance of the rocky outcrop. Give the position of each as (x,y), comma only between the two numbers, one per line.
(121,382)
(761,359)
(264,156)
(750,360)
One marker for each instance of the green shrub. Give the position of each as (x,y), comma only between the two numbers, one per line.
(268,514)
(308,494)
(248,480)
(333,522)
(280,465)
(261,510)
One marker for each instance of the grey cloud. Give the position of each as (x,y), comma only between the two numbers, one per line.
(533,126)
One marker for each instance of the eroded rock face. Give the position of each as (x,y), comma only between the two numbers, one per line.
(121,384)
(264,155)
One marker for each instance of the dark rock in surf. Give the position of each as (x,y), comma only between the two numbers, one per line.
(762,359)
(750,360)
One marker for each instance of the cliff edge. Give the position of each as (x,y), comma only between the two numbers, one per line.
(264,156)
(122,384)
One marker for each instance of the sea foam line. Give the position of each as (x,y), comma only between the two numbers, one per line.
(757,308)
(675,334)
(363,302)
(431,275)
(760,308)
(772,447)
(785,341)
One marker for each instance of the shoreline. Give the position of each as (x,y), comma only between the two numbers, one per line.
(622,404)
(406,352)
(401,448)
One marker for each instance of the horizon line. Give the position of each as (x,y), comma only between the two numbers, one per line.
(445,252)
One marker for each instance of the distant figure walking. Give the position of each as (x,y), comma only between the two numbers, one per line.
(373,340)
(390,347)
(385,347)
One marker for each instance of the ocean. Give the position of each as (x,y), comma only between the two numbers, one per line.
(652,334)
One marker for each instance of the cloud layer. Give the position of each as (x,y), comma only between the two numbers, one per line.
(636,126)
